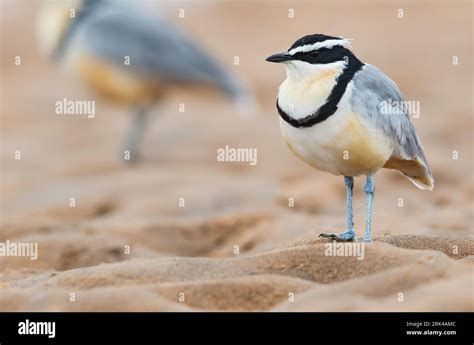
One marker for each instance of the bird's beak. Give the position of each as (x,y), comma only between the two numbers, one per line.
(280,57)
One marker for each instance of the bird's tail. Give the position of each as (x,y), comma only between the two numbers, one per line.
(425,181)
(414,169)
(245,103)
(241,96)
(411,161)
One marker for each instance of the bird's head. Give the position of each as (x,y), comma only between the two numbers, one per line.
(54,20)
(314,54)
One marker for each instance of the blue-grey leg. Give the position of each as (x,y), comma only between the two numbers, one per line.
(349,234)
(134,135)
(369,191)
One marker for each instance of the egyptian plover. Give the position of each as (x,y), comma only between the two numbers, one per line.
(332,117)
(130,56)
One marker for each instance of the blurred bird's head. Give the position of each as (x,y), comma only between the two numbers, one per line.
(54,20)
(314,54)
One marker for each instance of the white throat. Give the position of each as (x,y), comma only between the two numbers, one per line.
(307,86)
(297,70)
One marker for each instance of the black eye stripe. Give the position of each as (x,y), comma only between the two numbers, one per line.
(322,55)
(315,52)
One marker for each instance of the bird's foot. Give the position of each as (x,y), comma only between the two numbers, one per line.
(346,236)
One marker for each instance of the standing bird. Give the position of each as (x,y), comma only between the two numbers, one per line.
(333,117)
(129,56)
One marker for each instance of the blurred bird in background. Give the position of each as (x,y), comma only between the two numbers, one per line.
(130,56)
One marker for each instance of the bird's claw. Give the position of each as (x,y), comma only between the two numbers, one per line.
(347,236)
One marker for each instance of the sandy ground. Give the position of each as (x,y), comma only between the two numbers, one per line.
(185,258)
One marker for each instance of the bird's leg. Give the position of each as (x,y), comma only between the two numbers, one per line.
(349,234)
(349,182)
(134,135)
(369,191)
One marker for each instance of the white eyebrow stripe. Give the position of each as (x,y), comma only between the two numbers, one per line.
(325,44)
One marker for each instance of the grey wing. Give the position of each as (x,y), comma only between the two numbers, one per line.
(376,94)
(156,50)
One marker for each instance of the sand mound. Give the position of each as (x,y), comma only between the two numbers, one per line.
(250,293)
(455,247)
(402,288)
(212,236)
(431,297)
(66,250)
(106,299)
(307,262)
(298,277)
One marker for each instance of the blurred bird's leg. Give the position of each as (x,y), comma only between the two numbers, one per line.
(369,191)
(349,234)
(134,135)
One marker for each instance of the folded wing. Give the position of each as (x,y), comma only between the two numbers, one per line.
(376,94)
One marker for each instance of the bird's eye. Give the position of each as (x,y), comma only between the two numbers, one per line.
(314,53)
